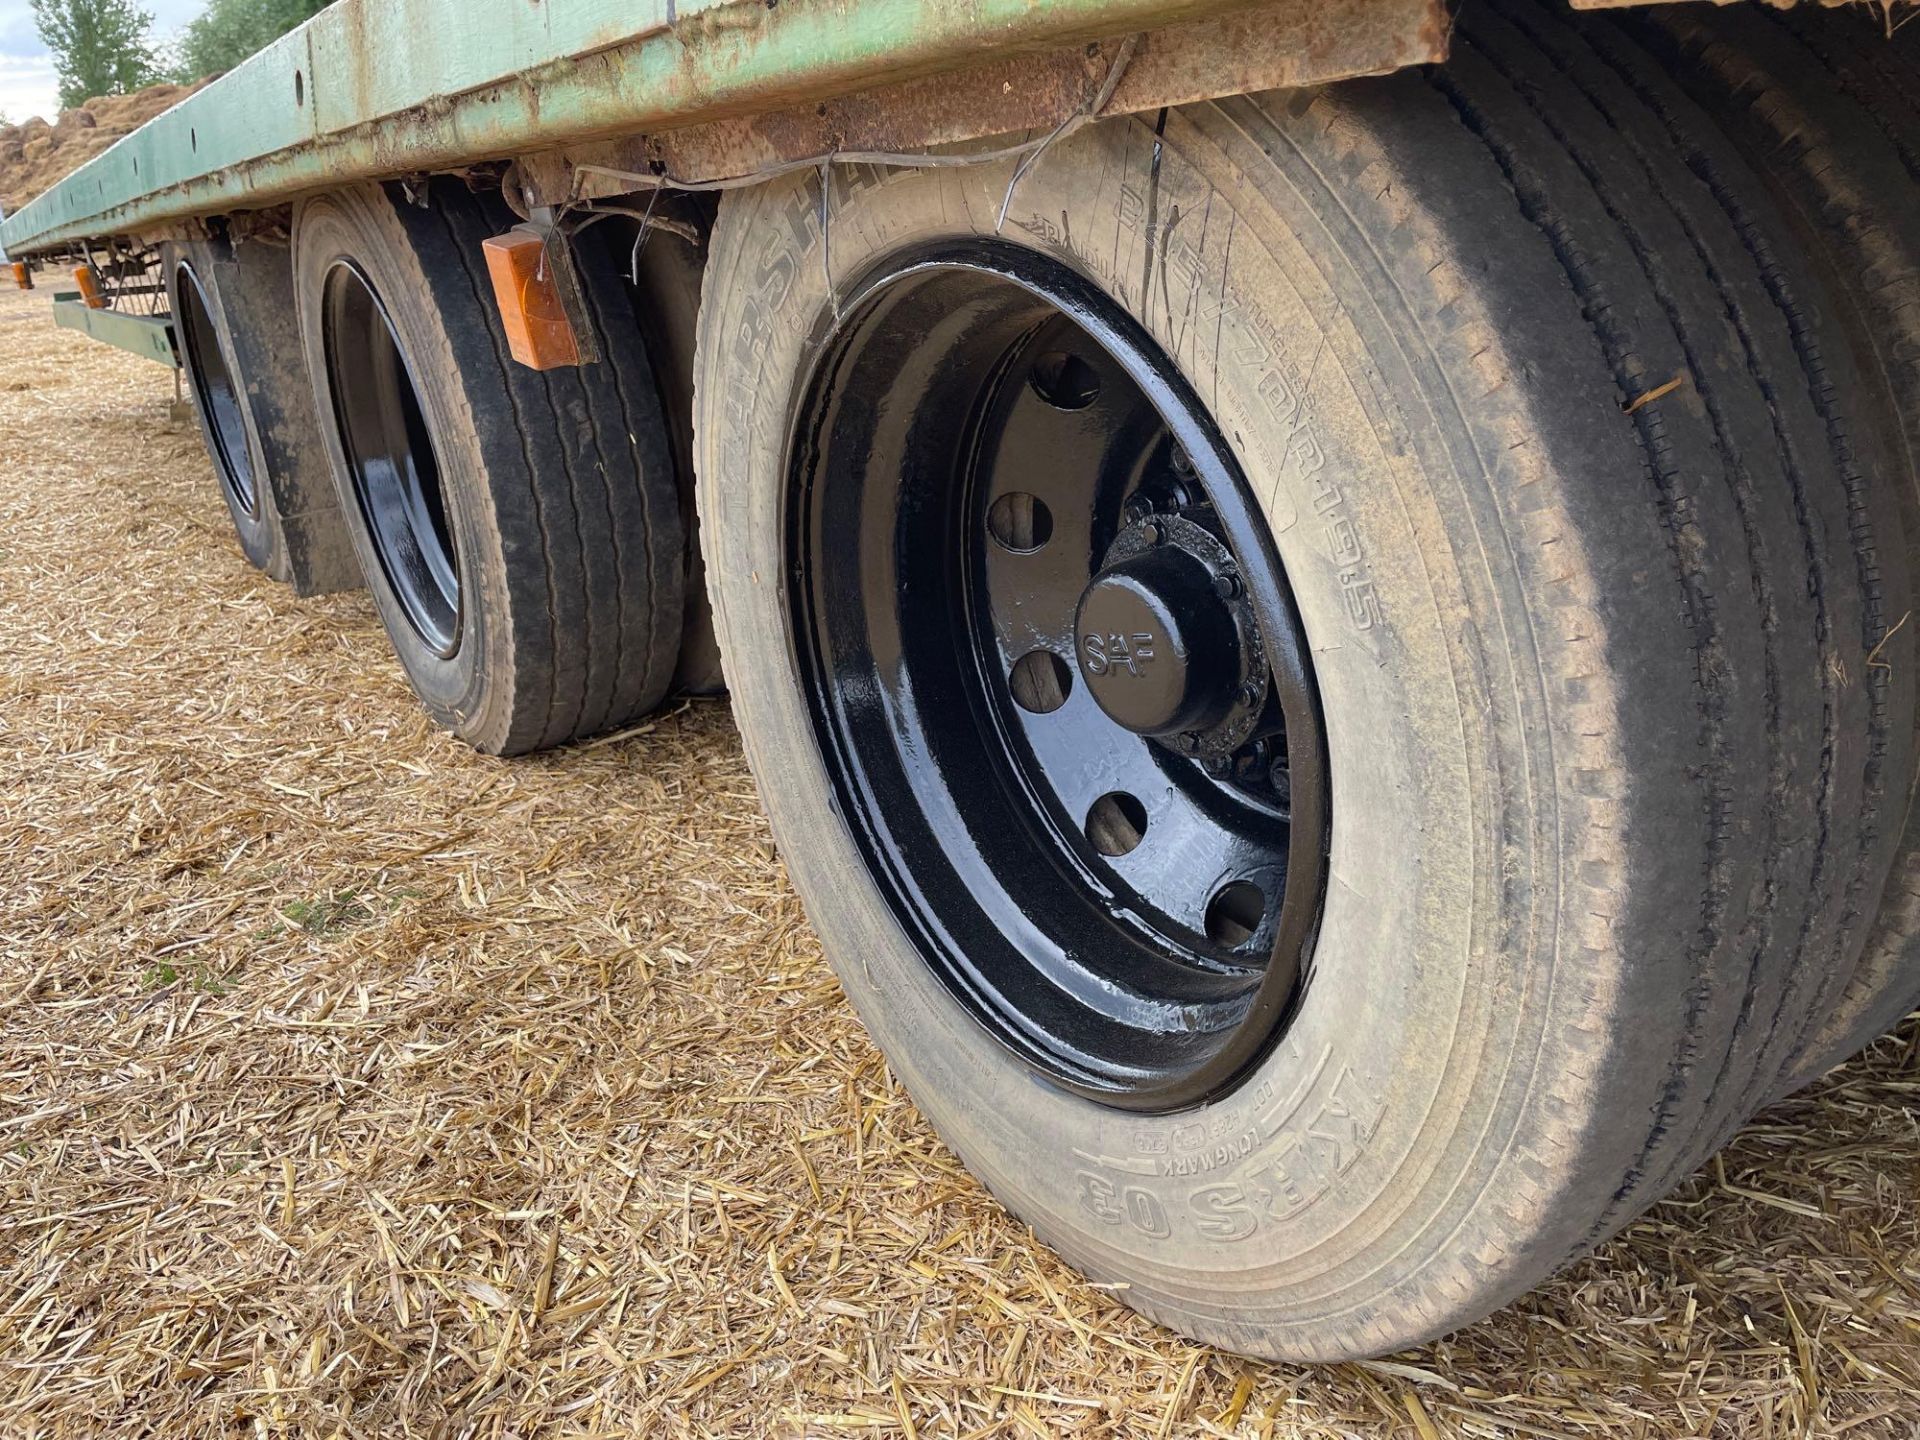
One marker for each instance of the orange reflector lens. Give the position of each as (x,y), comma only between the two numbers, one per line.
(23,274)
(539,334)
(89,287)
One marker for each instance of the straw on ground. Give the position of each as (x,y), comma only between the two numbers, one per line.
(354,1084)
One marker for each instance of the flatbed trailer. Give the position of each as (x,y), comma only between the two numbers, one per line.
(1319,593)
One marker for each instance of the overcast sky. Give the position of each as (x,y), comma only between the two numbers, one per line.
(26,71)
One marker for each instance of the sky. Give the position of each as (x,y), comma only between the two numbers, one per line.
(26,70)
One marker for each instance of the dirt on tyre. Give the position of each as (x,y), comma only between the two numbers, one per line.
(519,529)
(1824,107)
(1313,683)
(661,259)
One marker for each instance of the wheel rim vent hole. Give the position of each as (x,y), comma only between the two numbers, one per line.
(1116,823)
(1235,912)
(1065,381)
(1041,682)
(1020,522)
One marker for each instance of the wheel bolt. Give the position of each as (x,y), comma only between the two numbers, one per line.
(1215,765)
(1190,743)
(1152,534)
(1226,585)
(1139,507)
(1281,779)
(1182,461)
(1249,694)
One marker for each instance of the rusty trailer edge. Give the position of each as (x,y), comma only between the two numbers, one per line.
(376,90)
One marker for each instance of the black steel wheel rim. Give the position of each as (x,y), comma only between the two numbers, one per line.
(213,387)
(390,456)
(1056,673)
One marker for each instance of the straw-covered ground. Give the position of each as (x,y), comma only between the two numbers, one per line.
(352,1084)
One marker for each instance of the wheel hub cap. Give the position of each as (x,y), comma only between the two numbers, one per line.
(1161,632)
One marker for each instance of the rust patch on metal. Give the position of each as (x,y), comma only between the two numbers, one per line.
(1281,45)
(716,93)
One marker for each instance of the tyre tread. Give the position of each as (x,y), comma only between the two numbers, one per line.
(580,488)
(1814,100)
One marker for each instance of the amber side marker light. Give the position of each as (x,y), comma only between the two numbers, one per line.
(22,274)
(527,289)
(88,285)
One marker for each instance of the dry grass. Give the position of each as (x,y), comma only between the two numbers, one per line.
(354,1084)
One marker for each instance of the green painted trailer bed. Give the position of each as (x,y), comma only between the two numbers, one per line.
(376,88)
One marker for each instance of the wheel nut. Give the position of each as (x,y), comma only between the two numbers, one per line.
(1226,585)
(1152,534)
(1249,695)
(1190,743)
(1215,765)
(1139,507)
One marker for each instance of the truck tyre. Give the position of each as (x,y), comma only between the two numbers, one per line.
(519,529)
(238,296)
(662,275)
(1826,111)
(1312,681)
(220,404)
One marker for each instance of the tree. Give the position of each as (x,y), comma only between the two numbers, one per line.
(99,47)
(228,31)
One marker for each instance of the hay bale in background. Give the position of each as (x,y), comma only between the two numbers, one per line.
(35,155)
